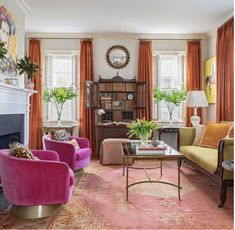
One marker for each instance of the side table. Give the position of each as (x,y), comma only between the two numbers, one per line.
(228,164)
(68,128)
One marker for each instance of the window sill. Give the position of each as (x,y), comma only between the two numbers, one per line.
(73,123)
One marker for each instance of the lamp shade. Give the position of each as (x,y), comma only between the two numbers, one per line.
(196,99)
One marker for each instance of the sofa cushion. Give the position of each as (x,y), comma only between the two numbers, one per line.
(213,133)
(59,135)
(74,143)
(199,132)
(207,158)
(83,153)
(21,151)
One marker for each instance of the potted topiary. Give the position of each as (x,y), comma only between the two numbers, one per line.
(172,99)
(26,65)
(58,96)
(142,129)
(3,52)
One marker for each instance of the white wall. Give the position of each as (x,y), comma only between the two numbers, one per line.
(15,9)
(211,51)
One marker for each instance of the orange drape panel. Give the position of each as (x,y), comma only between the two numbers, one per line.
(35,125)
(86,126)
(225,72)
(193,74)
(145,61)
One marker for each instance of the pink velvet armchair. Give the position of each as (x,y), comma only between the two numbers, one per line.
(76,159)
(35,188)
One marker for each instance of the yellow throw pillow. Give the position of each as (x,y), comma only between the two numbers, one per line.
(74,143)
(213,133)
(230,133)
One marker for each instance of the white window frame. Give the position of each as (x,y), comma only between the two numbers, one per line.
(47,82)
(156,71)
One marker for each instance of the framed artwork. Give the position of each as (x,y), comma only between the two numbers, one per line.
(118,104)
(8,34)
(210,79)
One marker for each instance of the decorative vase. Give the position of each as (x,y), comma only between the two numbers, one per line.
(29,85)
(144,140)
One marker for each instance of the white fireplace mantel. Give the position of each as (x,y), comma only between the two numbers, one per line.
(15,100)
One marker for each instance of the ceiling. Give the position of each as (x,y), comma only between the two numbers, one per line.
(126,16)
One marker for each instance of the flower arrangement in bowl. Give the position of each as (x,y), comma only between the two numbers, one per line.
(26,66)
(172,99)
(142,129)
(58,96)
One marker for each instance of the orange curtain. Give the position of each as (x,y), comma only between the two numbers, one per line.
(145,61)
(35,125)
(193,74)
(87,124)
(225,72)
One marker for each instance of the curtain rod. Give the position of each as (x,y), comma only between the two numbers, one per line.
(226,22)
(61,38)
(169,39)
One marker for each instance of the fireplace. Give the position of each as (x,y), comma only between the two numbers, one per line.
(11,129)
(14,114)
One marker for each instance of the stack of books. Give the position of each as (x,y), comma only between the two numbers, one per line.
(151,150)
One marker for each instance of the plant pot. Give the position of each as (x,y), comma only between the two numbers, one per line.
(29,85)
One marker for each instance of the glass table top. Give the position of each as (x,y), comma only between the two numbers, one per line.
(134,149)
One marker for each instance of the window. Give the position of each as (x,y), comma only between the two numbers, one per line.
(61,70)
(168,74)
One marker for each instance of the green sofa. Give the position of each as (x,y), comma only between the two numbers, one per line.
(208,160)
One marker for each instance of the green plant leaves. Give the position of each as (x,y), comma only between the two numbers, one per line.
(141,128)
(174,96)
(59,95)
(26,65)
(3,50)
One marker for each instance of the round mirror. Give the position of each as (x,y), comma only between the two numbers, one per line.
(117,56)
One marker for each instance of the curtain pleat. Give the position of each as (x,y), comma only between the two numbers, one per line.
(35,122)
(145,60)
(86,125)
(225,72)
(193,74)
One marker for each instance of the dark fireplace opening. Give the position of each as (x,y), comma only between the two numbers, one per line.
(11,129)
(5,140)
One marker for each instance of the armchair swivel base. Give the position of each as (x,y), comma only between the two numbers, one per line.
(35,212)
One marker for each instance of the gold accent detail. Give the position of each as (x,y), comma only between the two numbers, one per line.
(35,212)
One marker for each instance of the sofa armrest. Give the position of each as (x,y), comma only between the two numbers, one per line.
(46,155)
(225,152)
(186,135)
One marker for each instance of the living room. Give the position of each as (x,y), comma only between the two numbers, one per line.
(116,114)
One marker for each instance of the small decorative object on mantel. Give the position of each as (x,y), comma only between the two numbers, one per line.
(26,65)
(171,97)
(58,96)
(142,129)
(117,56)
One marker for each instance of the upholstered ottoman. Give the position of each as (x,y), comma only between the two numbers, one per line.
(111,151)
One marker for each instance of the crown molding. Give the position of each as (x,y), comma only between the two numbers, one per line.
(24,6)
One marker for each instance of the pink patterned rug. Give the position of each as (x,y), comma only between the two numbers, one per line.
(98,202)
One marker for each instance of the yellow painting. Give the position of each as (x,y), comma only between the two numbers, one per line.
(210,79)
(8,35)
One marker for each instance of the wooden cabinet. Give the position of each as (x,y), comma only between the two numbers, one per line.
(117,96)
(120,98)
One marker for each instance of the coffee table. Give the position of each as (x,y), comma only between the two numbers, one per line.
(130,153)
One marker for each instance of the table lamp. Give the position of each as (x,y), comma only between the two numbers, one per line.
(196,99)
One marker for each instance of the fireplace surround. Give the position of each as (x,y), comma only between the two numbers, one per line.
(14,112)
